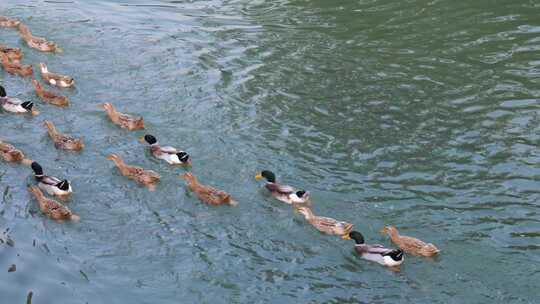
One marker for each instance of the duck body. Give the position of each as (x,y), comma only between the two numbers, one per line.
(49,96)
(62,141)
(123,120)
(38,43)
(50,184)
(326,224)
(169,154)
(8,22)
(410,244)
(15,105)
(146,177)
(376,253)
(55,79)
(207,194)
(9,153)
(15,67)
(52,208)
(13,54)
(284,193)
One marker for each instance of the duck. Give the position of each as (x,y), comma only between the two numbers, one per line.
(169,154)
(9,153)
(148,178)
(16,68)
(284,193)
(62,141)
(8,22)
(207,194)
(15,105)
(123,120)
(325,224)
(58,80)
(38,43)
(376,253)
(50,184)
(14,54)
(52,208)
(49,96)
(409,244)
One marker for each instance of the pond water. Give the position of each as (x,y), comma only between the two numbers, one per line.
(419,114)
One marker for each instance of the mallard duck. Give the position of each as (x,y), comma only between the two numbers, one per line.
(410,244)
(208,194)
(8,22)
(376,253)
(168,154)
(37,43)
(52,208)
(15,68)
(13,54)
(55,79)
(9,153)
(49,96)
(284,193)
(123,120)
(325,224)
(15,105)
(50,184)
(148,178)
(62,141)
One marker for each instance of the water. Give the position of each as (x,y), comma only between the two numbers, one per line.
(420,114)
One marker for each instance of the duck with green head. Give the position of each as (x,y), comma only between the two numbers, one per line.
(284,193)
(375,253)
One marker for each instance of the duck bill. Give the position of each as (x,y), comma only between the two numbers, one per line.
(346,237)
(258,176)
(141,139)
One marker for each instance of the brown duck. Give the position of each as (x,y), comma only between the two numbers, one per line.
(62,141)
(9,153)
(410,244)
(14,54)
(8,22)
(15,68)
(207,194)
(326,225)
(49,96)
(148,178)
(123,120)
(37,43)
(52,208)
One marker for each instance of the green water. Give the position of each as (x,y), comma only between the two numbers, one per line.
(420,114)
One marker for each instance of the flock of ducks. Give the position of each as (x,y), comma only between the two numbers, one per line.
(61,189)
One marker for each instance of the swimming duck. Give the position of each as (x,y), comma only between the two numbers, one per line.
(49,96)
(55,79)
(35,42)
(13,54)
(9,153)
(284,193)
(52,208)
(50,184)
(8,22)
(123,120)
(410,244)
(15,105)
(325,224)
(15,68)
(208,194)
(376,253)
(62,141)
(168,154)
(148,178)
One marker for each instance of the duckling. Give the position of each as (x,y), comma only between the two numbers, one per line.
(9,153)
(15,68)
(37,43)
(55,79)
(52,208)
(13,54)
(8,22)
(168,154)
(62,141)
(410,244)
(148,178)
(376,253)
(50,184)
(49,96)
(123,120)
(284,193)
(207,194)
(15,105)
(325,224)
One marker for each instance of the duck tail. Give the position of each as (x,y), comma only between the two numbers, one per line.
(430,250)
(27,162)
